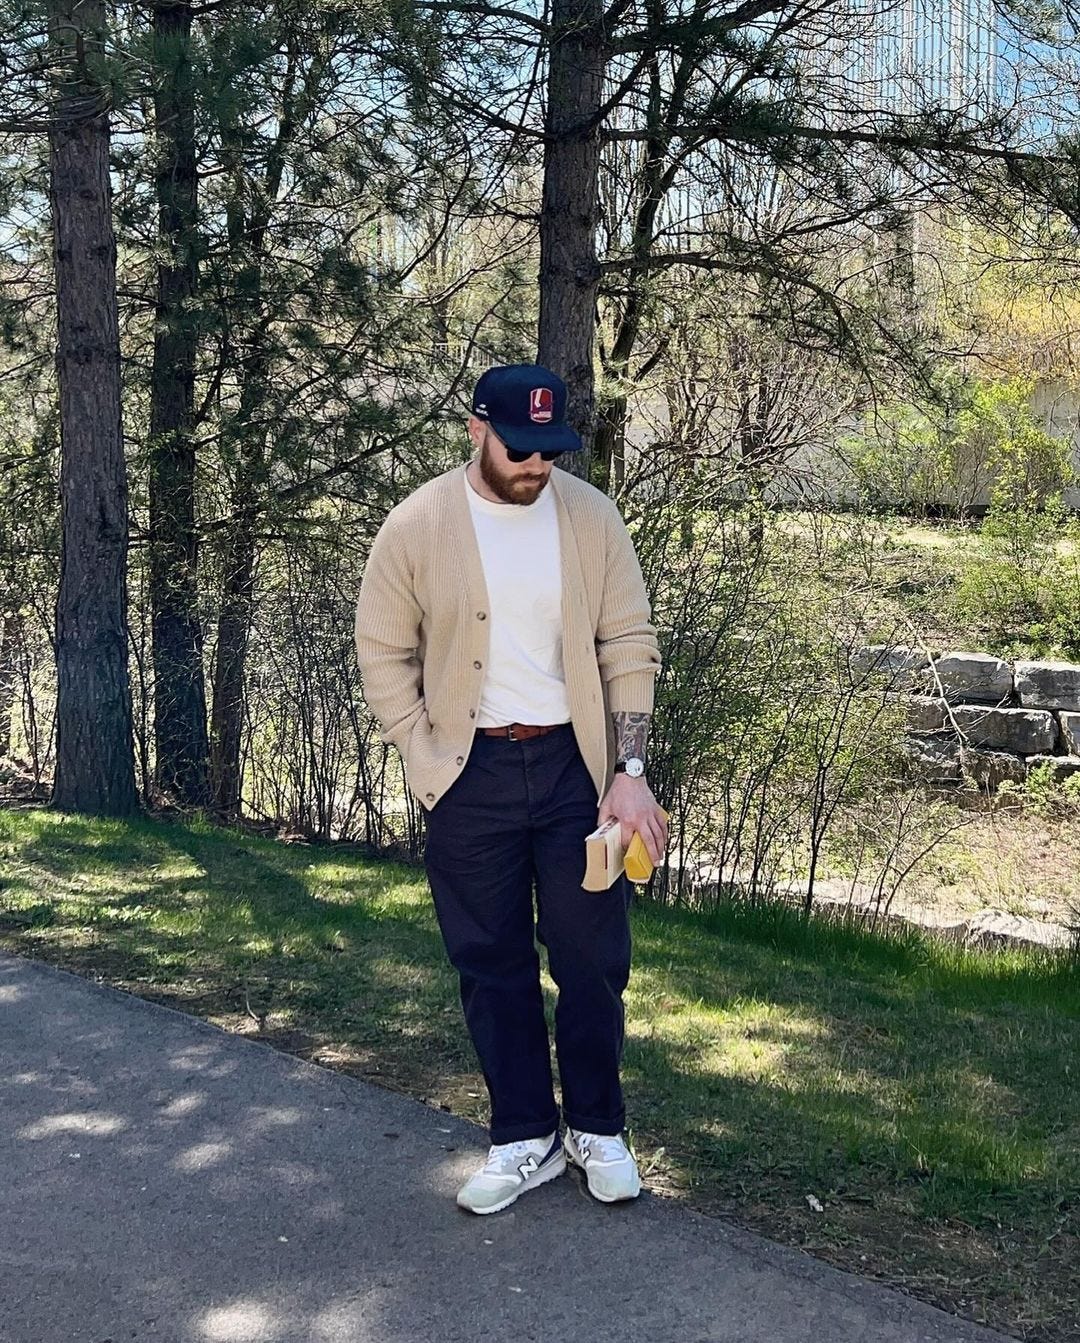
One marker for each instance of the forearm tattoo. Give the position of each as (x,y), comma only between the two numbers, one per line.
(631,734)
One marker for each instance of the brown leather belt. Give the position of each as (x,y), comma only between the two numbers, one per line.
(519,731)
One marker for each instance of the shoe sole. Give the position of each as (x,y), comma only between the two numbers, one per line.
(542,1176)
(576,1161)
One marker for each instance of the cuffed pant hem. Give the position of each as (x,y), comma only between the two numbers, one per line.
(603,1128)
(522,1132)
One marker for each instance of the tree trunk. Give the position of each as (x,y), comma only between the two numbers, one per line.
(609,457)
(182,766)
(610,450)
(902,268)
(237,596)
(230,658)
(569,270)
(95,768)
(247,240)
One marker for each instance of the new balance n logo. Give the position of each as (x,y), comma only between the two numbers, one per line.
(527,1167)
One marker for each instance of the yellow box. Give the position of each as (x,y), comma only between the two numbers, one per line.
(636,861)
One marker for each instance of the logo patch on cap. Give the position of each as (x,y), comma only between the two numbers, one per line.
(541,405)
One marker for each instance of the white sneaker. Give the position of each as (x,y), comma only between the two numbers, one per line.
(510,1169)
(610,1169)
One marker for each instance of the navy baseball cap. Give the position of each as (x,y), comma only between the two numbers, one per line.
(526,406)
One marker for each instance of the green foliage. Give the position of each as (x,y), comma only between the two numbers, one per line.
(1032,468)
(977,439)
(898,466)
(1053,800)
(1015,589)
(760,735)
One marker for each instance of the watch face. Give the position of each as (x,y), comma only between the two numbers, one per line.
(635,768)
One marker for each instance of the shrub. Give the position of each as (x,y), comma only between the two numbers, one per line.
(981,440)
(1053,800)
(1010,592)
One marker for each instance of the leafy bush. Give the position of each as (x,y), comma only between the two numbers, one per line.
(761,734)
(981,439)
(1016,591)
(899,465)
(1047,797)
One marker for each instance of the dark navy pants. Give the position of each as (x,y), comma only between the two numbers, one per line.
(515,820)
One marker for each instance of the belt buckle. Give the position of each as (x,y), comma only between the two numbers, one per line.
(510,733)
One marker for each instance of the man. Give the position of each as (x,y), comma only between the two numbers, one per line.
(504,639)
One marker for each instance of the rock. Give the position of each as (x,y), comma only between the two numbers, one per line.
(974,676)
(992,927)
(989,769)
(1059,767)
(845,897)
(987,928)
(925,713)
(935,759)
(903,668)
(1070,731)
(1018,731)
(1048,685)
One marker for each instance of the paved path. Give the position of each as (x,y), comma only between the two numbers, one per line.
(163,1180)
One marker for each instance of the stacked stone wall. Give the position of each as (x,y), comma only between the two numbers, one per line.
(975,716)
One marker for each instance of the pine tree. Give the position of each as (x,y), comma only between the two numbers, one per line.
(94,768)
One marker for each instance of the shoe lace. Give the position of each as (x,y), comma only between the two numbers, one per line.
(604,1145)
(503,1155)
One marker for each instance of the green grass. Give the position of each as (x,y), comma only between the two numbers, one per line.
(926,1095)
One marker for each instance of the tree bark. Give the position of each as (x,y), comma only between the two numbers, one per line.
(569,270)
(180,738)
(610,448)
(95,769)
(238,579)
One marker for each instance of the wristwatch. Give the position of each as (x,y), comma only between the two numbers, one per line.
(633,767)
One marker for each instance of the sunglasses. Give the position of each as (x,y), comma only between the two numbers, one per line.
(517,457)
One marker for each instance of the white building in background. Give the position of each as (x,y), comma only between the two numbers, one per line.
(862,62)
(920,53)
(972,58)
(875,60)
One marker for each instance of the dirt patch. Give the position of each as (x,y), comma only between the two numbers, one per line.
(1021,864)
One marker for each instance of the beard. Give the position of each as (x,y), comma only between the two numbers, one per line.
(510,489)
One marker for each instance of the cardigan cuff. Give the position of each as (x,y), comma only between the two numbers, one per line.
(633,692)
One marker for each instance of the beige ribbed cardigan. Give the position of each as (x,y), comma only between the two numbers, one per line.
(422,628)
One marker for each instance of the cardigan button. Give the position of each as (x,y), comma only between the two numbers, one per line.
(481,615)
(472,713)
(461,760)
(478,665)
(430,797)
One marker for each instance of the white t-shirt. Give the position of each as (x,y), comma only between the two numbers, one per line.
(519,549)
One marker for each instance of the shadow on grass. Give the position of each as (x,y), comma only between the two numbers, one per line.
(926,1075)
(904,956)
(244,926)
(893,1072)
(896,1023)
